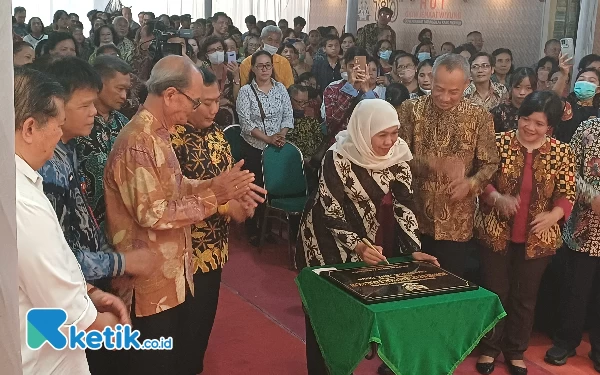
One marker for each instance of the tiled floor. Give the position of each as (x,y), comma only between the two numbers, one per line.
(260,324)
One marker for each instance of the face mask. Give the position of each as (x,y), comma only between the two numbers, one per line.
(344,75)
(585,90)
(427,92)
(269,48)
(217,57)
(301,58)
(298,113)
(424,56)
(409,75)
(385,55)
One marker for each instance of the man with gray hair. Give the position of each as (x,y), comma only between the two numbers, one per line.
(270,39)
(125,45)
(455,153)
(150,205)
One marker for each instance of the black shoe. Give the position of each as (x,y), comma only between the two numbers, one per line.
(558,356)
(485,368)
(516,370)
(384,370)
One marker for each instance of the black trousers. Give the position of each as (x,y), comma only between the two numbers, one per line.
(202,310)
(581,286)
(315,363)
(516,281)
(108,362)
(451,255)
(174,323)
(253,162)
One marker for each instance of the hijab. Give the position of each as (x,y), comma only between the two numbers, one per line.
(369,118)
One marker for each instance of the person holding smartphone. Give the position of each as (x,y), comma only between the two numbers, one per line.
(223,65)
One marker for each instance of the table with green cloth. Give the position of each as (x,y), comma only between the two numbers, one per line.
(420,336)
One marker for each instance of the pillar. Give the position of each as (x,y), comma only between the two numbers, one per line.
(351,16)
(208,12)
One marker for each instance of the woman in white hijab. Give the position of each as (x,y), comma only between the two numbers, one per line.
(367,161)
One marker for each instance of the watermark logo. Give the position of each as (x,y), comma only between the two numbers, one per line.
(44,326)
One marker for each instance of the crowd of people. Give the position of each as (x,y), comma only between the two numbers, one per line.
(125,175)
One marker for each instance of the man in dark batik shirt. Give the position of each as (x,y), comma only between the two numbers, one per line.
(93,150)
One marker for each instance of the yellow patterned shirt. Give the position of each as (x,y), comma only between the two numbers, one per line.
(151,205)
(497,95)
(463,135)
(204,154)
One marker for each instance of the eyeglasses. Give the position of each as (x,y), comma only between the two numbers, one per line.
(213,50)
(264,67)
(404,67)
(482,66)
(195,102)
(301,102)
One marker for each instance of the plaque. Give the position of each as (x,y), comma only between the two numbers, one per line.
(397,281)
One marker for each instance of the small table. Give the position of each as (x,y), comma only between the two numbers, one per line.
(420,336)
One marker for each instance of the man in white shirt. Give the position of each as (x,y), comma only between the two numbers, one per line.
(49,274)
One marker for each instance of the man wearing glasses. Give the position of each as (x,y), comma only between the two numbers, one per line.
(368,35)
(150,205)
(483,90)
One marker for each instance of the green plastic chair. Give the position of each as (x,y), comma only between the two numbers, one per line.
(232,134)
(287,190)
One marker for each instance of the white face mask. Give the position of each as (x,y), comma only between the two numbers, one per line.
(269,48)
(217,57)
(344,75)
(427,92)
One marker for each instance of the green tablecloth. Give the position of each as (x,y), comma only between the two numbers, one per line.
(421,336)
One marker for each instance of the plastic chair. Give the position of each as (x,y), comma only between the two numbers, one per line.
(285,182)
(232,134)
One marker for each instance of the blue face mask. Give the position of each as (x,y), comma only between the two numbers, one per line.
(584,90)
(422,56)
(385,55)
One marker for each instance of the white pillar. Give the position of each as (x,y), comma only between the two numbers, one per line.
(585,30)
(208,8)
(10,344)
(351,16)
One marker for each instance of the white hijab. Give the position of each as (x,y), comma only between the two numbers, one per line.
(369,118)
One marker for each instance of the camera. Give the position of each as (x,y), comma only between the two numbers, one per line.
(160,46)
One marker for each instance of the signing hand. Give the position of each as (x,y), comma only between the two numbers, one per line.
(545,220)
(507,205)
(369,255)
(109,303)
(425,258)
(232,184)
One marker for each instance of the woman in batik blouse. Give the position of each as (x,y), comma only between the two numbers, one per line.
(367,161)
(518,223)
(581,234)
(506,115)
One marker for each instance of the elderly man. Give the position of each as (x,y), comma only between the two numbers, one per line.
(455,153)
(49,276)
(133,26)
(270,38)
(125,45)
(220,22)
(476,39)
(150,205)
(482,90)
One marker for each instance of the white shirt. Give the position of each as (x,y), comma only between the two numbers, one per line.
(49,277)
(33,40)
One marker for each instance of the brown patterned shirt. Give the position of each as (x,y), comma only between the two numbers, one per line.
(464,133)
(498,94)
(367,37)
(150,205)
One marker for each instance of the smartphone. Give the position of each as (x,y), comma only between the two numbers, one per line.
(361,61)
(567,47)
(231,57)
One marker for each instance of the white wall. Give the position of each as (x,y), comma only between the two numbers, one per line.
(10,356)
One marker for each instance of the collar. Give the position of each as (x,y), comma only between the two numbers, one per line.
(100,118)
(543,149)
(255,85)
(22,166)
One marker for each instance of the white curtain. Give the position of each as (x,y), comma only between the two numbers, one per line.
(586,29)
(236,9)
